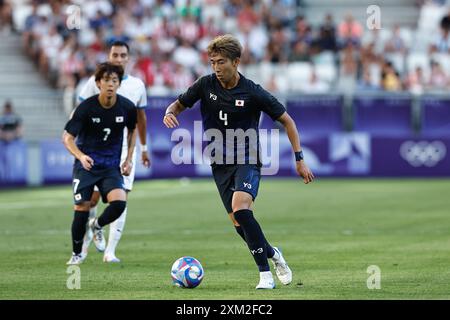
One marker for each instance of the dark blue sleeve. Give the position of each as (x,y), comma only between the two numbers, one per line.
(268,103)
(76,123)
(192,95)
(132,118)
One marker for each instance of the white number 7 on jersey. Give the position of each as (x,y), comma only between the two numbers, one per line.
(108,131)
(223,117)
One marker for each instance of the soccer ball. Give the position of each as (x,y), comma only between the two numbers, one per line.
(187,272)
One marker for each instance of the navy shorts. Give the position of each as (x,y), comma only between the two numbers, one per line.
(83,183)
(231,178)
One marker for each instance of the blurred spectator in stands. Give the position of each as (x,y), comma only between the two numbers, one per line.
(396,43)
(350,30)
(188,8)
(438,80)
(6,21)
(279,12)
(30,21)
(327,35)
(118,32)
(164,37)
(390,79)
(189,29)
(144,68)
(348,68)
(415,81)
(441,43)
(315,85)
(247,14)
(10,124)
(182,78)
(445,21)
(366,83)
(299,53)
(50,44)
(302,31)
(254,40)
(278,46)
(212,11)
(186,55)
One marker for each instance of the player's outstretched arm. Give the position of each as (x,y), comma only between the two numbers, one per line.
(172,111)
(127,165)
(292,133)
(69,142)
(142,131)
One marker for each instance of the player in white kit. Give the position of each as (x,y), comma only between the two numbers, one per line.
(133,89)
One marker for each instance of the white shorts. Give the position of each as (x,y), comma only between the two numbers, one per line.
(127,180)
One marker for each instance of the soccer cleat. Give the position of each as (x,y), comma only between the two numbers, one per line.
(266,280)
(282,269)
(97,236)
(110,258)
(75,259)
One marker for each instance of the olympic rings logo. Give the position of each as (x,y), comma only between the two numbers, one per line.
(423,153)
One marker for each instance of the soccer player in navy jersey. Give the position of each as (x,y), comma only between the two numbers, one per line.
(230,101)
(133,89)
(94,136)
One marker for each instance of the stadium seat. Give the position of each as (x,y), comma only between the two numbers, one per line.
(383,115)
(418,60)
(397,60)
(326,72)
(444,60)
(298,73)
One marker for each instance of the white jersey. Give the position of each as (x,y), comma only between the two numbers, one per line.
(133,89)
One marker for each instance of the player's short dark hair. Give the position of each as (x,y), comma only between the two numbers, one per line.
(119,43)
(226,45)
(108,68)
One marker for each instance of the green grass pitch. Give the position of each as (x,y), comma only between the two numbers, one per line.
(330,231)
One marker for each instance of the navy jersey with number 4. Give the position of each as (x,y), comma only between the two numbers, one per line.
(99,131)
(236,108)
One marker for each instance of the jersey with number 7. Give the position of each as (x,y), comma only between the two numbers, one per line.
(99,130)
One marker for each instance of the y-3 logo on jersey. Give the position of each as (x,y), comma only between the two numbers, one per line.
(259,250)
(212,96)
(119,119)
(247,185)
(96,120)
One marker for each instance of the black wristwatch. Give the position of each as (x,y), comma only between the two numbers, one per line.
(299,156)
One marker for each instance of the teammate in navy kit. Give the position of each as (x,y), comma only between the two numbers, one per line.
(98,124)
(230,101)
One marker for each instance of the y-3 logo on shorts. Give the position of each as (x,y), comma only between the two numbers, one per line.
(247,185)
(259,250)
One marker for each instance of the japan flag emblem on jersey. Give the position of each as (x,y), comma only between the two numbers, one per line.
(119,119)
(239,103)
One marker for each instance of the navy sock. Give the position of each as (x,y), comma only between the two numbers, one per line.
(255,238)
(112,212)
(80,219)
(240,232)
(270,251)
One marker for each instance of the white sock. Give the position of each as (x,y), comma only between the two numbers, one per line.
(276,256)
(86,241)
(93,212)
(115,233)
(265,275)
